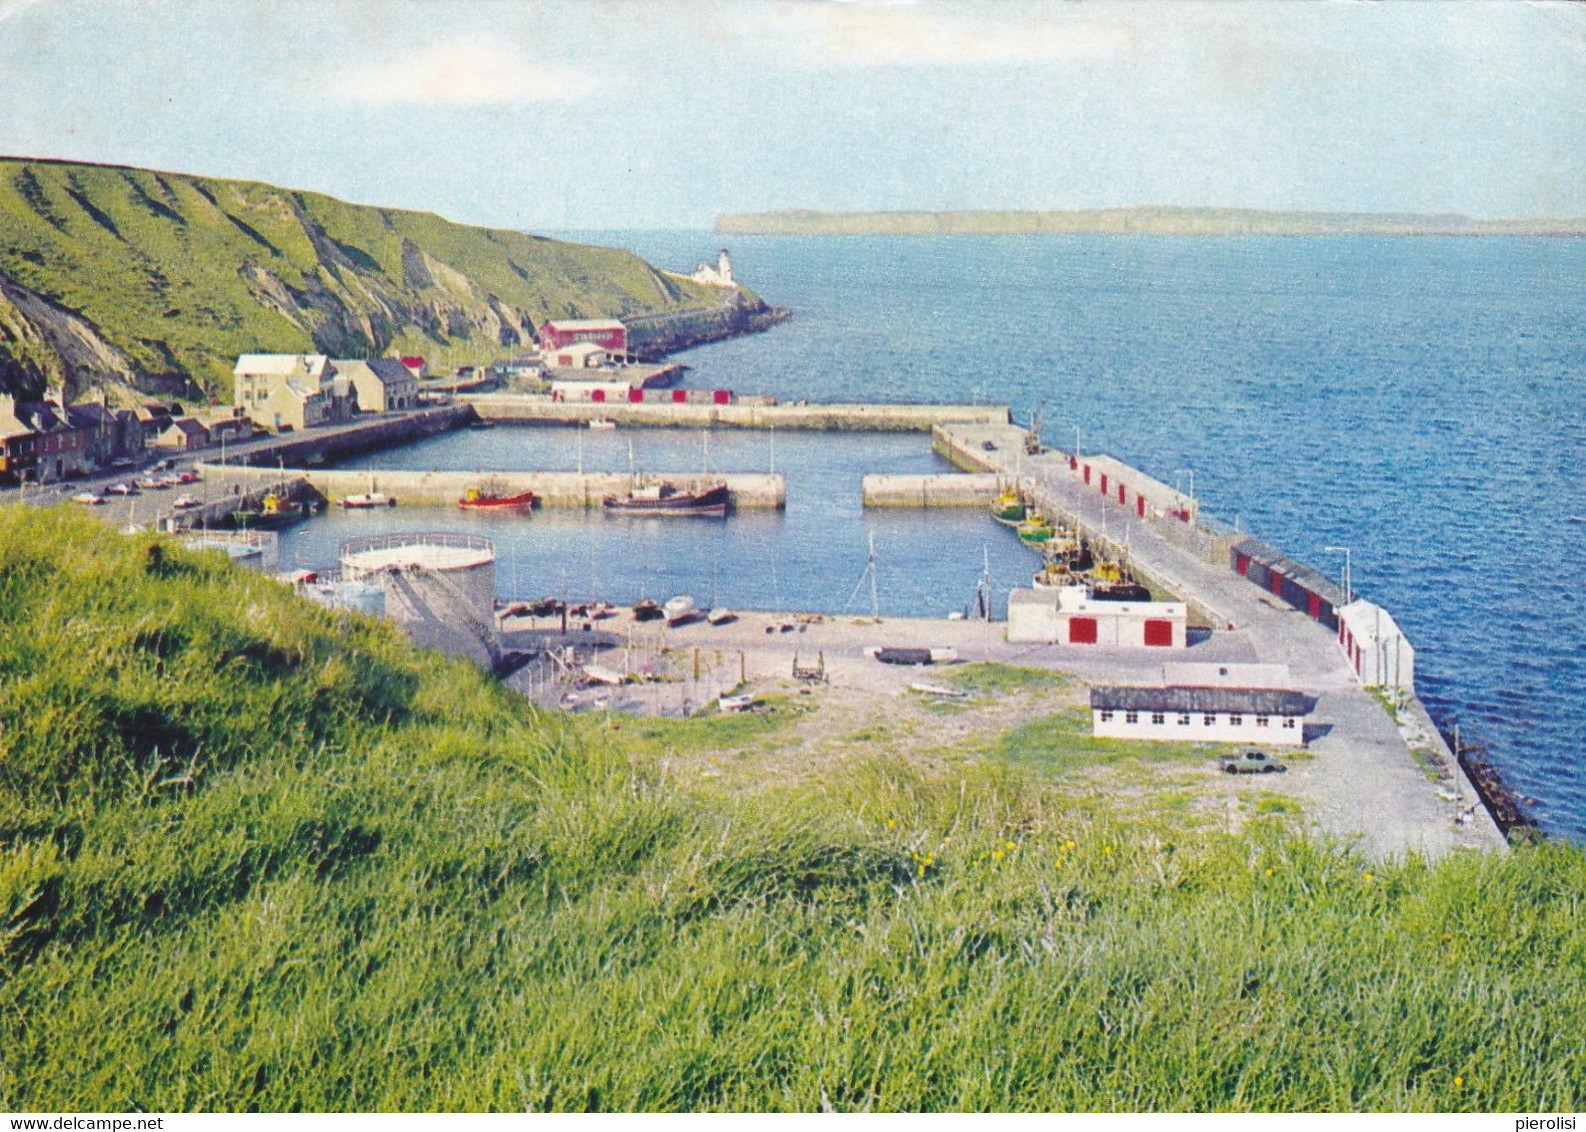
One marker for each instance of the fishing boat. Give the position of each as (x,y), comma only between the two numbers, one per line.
(1034,530)
(602,424)
(273,513)
(1111,582)
(665,499)
(367,499)
(647,609)
(679,609)
(720,616)
(482,499)
(1008,509)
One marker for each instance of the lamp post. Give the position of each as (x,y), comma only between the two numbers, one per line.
(1076,442)
(1349,574)
(1190,472)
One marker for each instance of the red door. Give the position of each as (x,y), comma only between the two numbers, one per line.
(1087,473)
(635,396)
(1158,634)
(1316,608)
(721,396)
(1139,505)
(597,395)
(1277,583)
(1081,630)
(1243,564)
(1123,494)
(1104,483)
(679,396)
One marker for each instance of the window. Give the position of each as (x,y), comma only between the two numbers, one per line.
(1158,718)
(1131,717)
(1236,721)
(1106,717)
(1211,721)
(1288,723)
(1261,721)
(1183,721)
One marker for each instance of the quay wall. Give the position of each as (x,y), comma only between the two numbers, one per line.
(951,489)
(326,445)
(556,489)
(837,418)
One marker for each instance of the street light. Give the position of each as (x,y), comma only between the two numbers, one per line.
(1190,472)
(1076,442)
(1349,574)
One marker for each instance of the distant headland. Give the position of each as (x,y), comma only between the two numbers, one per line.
(1147,220)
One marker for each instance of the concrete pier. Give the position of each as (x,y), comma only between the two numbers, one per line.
(556,489)
(525,409)
(945,490)
(1364,782)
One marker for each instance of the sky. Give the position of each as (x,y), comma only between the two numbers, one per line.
(663,113)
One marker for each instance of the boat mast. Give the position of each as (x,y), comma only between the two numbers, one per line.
(983,588)
(875,608)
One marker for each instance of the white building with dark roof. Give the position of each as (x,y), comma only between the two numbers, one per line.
(1068,615)
(1265,716)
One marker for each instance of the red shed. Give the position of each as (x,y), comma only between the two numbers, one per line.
(607,333)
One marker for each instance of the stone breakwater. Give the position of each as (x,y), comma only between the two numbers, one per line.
(574,490)
(520,409)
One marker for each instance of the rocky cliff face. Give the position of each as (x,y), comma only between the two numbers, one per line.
(652,336)
(137,281)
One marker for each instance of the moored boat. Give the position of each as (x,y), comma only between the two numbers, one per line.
(1034,530)
(480,499)
(602,424)
(367,499)
(273,513)
(665,499)
(647,609)
(1008,509)
(720,616)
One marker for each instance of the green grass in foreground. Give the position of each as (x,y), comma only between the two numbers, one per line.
(254,855)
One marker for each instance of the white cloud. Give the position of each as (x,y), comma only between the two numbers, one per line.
(860,34)
(468,73)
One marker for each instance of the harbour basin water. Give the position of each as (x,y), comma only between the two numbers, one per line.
(812,557)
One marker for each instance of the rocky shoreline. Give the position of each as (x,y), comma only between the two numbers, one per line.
(653,336)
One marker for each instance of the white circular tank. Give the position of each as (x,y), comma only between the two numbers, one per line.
(433,580)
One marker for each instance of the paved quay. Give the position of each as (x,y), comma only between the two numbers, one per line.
(1364,783)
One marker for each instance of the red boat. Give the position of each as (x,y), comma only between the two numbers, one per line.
(664,499)
(475,499)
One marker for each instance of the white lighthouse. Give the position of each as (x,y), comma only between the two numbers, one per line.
(718,276)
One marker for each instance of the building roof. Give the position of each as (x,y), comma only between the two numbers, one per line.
(1246,701)
(391,371)
(581,349)
(1318,584)
(187,426)
(90,414)
(31,416)
(282,365)
(586,324)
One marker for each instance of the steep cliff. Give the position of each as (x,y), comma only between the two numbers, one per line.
(140,281)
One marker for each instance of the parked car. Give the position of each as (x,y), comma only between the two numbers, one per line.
(1251,760)
(188,477)
(122,489)
(152,483)
(91,498)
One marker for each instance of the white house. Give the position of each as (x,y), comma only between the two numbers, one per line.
(579,355)
(1267,716)
(1068,615)
(1375,647)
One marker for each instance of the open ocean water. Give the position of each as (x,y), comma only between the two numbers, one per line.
(1417,400)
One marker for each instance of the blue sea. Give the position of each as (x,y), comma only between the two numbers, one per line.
(1419,401)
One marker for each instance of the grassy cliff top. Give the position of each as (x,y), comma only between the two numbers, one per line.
(257,855)
(1148,220)
(171,276)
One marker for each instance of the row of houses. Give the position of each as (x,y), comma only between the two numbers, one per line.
(43,441)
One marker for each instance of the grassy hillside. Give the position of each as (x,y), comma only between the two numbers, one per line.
(258,855)
(1158,221)
(172,276)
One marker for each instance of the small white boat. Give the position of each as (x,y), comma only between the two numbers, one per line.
(602,424)
(720,616)
(679,609)
(185,502)
(742,702)
(368,499)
